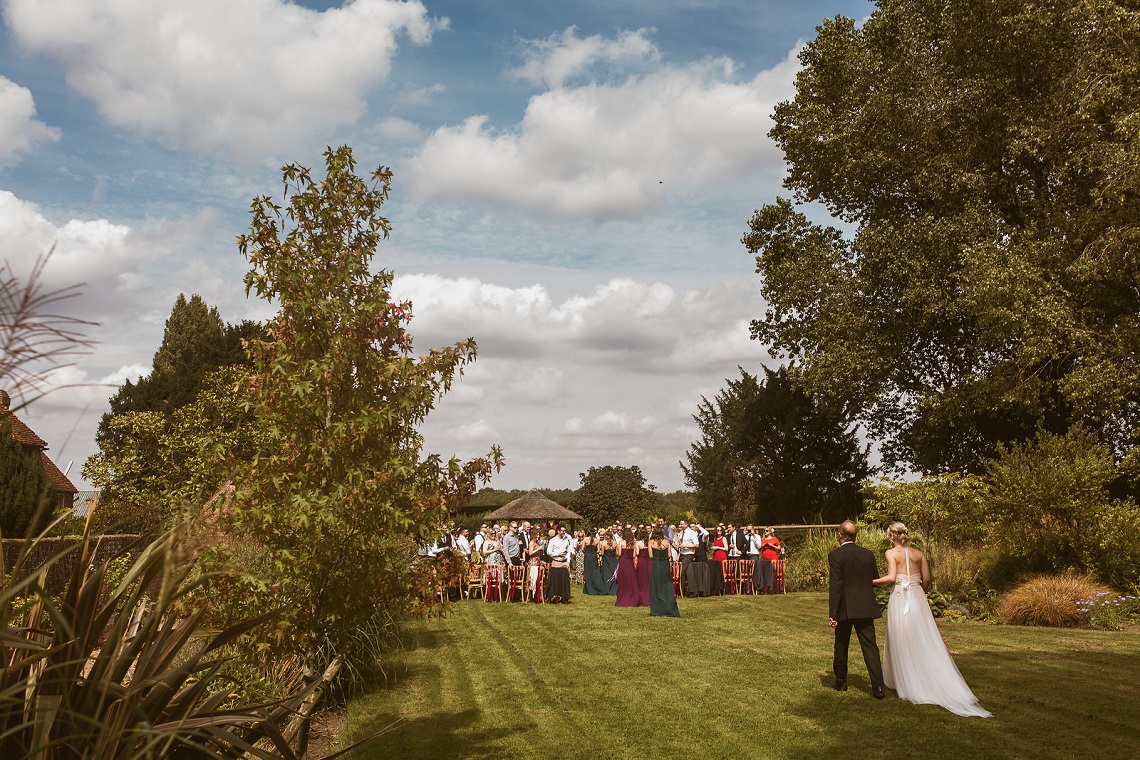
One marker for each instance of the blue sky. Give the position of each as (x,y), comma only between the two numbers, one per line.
(572,180)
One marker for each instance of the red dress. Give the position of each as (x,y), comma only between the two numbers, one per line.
(720,549)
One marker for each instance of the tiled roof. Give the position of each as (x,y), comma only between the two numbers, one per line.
(24,434)
(56,476)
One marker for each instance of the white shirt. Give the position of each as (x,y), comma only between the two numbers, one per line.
(754,544)
(463,545)
(479,539)
(689,541)
(559,548)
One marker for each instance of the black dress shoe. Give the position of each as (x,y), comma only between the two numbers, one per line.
(877,692)
(839,686)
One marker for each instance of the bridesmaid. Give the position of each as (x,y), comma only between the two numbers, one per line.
(662,603)
(609,564)
(642,564)
(627,594)
(594,584)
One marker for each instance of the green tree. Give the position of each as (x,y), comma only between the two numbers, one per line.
(947,510)
(24,488)
(614,493)
(146,444)
(769,453)
(337,492)
(167,461)
(986,154)
(1049,507)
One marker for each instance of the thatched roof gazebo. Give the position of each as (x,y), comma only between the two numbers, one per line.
(534,506)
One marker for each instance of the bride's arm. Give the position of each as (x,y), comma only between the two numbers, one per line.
(892,571)
(925,572)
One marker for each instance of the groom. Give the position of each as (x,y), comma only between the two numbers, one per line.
(851,604)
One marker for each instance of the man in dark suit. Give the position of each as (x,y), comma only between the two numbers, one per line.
(851,604)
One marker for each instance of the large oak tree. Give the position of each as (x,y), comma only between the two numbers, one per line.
(984,156)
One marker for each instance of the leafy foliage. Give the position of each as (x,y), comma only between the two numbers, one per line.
(335,495)
(947,510)
(114,668)
(770,446)
(987,154)
(23,485)
(163,461)
(1050,508)
(608,493)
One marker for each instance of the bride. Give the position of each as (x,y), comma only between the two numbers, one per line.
(916,662)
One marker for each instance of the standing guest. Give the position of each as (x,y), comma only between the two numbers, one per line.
(643,564)
(739,540)
(462,545)
(533,559)
(477,543)
(627,592)
(689,541)
(754,554)
(577,563)
(674,545)
(720,545)
(594,585)
(609,564)
(493,550)
(666,530)
(662,602)
(852,605)
(511,548)
(558,576)
(770,550)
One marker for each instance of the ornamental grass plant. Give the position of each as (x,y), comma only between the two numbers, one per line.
(1058,601)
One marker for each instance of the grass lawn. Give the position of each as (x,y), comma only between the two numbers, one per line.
(734,677)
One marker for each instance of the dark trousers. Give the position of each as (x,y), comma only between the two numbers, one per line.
(865,631)
(686,560)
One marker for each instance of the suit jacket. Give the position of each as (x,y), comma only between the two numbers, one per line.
(851,595)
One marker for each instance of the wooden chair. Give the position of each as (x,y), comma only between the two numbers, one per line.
(539,596)
(745,574)
(493,577)
(729,566)
(678,587)
(473,581)
(778,586)
(518,581)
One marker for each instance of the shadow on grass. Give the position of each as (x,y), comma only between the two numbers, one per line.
(436,735)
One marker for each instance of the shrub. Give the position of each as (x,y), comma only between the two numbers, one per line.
(954,571)
(1050,506)
(1050,600)
(806,569)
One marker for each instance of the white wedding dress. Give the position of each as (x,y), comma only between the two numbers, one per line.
(916,662)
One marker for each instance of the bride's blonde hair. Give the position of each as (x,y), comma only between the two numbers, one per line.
(898,534)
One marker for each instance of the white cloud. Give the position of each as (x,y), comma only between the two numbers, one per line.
(609,376)
(560,57)
(19,127)
(255,77)
(611,149)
